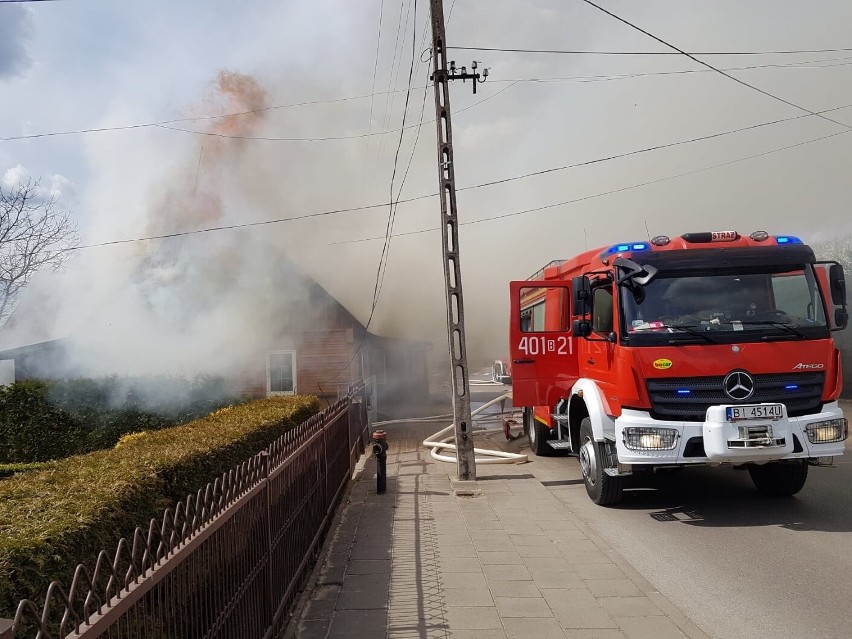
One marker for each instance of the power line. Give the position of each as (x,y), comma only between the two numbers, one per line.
(407,169)
(805,64)
(392,210)
(465,188)
(692,57)
(193,119)
(605,193)
(590,78)
(656,147)
(644,53)
(376,63)
(383,258)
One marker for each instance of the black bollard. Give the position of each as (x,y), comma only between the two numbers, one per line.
(380,450)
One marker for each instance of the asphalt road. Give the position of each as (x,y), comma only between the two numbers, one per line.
(737,563)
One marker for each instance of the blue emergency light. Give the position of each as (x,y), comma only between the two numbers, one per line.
(787,239)
(624,248)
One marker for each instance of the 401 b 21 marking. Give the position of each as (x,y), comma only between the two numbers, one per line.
(542,345)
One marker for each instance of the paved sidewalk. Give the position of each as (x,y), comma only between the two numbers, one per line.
(510,562)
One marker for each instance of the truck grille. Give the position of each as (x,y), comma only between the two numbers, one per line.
(800,392)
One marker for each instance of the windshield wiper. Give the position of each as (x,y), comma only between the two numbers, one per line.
(787,327)
(686,328)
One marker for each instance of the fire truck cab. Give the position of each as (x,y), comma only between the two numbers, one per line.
(708,349)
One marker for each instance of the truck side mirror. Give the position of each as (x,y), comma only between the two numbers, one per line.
(582,295)
(837,283)
(581,327)
(841,318)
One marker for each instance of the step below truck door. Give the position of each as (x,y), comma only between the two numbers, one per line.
(543,352)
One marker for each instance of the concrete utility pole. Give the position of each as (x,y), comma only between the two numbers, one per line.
(450,235)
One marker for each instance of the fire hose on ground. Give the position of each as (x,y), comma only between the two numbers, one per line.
(442,440)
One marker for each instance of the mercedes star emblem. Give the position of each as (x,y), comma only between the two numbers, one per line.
(738,385)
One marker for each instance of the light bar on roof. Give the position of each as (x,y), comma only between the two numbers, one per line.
(787,239)
(627,247)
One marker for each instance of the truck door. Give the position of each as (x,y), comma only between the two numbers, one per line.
(543,352)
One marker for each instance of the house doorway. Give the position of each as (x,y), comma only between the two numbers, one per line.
(281,373)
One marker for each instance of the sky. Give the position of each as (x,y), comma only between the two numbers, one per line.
(89,64)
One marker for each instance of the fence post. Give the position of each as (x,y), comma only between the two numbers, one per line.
(265,457)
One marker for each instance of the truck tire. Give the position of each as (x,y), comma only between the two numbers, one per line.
(603,489)
(778,479)
(537,433)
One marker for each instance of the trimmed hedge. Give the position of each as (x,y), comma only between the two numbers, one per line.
(7,470)
(41,421)
(32,429)
(55,518)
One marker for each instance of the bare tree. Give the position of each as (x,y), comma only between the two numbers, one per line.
(35,233)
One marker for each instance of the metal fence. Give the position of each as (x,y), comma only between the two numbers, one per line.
(229,561)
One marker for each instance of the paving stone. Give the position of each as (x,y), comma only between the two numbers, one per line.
(629,607)
(359,623)
(457,551)
(492,633)
(371,552)
(612,587)
(568,534)
(463,580)
(538,551)
(505,558)
(586,618)
(460,539)
(459,564)
(494,535)
(492,545)
(467,597)
(369,567)
(550,563)
(370,581)
(558,522)
(485,524)
(522,529)
(513,588)
(507,573)
(569,600)
(313,629)
(650,628)
(547,579)
(321,604)
(586,557)
(478,618)
(595,633)
(362,600)
(522,607)
(532,540)
(547,628)
(598,571)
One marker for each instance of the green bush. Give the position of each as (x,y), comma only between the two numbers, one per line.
(52,519)
(34,430)
(56,419)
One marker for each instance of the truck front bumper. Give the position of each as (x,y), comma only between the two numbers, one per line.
(717,440)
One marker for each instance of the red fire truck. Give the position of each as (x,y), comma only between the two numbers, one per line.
(707,349)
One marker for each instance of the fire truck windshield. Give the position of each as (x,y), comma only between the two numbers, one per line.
(744,305)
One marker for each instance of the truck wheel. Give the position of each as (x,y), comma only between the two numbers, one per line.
(603,489)
(779,479)
(537,433)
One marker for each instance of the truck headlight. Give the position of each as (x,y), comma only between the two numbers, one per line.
(831,430)
(645,438)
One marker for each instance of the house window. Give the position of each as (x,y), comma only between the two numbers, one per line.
(281,373)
